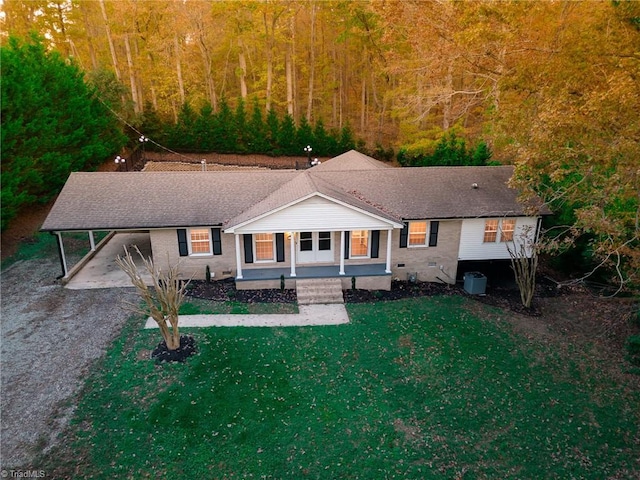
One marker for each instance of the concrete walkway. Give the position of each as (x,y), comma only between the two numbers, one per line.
(309,315)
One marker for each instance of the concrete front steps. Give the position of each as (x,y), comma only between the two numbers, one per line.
(315,291)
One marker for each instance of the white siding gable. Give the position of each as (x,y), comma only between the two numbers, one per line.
(315,213)
(473,247)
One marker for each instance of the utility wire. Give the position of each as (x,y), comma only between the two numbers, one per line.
(117,115)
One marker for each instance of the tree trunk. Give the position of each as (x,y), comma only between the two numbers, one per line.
(243,69)
(363,104)
(179,70)
(289,74)
(312,61)
(446,107)
(208,77)
(269,54)
(89,35)
(132,76)
(112,48)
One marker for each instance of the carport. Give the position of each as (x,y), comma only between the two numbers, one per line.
(98,269)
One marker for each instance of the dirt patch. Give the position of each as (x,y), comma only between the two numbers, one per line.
(264,161)
(50,338)
(194,167)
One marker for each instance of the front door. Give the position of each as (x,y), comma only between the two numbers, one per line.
(315,247)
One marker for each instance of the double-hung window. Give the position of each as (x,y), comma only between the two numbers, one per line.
(490,231)
(265,247)
(359,243)
(417,234)
(499,230)
(200,240)
(506,229)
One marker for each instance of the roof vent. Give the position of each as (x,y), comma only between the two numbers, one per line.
(474,186)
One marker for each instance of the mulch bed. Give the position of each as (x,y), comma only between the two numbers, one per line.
(225,290)
(503,297)
(187,348)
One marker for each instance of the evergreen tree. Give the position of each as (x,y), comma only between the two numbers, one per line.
(304,137)
(481,154)
(240,120)
(345,141)
(204,127)
(450,151)
(52,124)
(272,133)
(287,137)
(224,129)
(153,128)
(181,136)
(322,141)
(257,133)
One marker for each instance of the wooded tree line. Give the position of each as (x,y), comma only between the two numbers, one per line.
(551,87)
(243,132)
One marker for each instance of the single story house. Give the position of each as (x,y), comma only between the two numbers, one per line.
(351,216)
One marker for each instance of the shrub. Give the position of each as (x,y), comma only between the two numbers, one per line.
(633,349)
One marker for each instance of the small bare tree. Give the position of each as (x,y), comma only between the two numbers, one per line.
(163,302)
(524,262)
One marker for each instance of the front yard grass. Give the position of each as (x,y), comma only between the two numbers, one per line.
(416,388)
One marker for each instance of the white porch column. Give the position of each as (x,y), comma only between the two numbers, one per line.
(341,272)
(292,244)
(389,235)
(238,257)
(63,258)
(92,241)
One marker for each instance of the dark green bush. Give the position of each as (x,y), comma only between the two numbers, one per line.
(633,349)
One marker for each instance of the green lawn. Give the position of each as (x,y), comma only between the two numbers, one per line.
(418,388)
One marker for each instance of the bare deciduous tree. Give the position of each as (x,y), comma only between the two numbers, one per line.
(163,301)
(524,261)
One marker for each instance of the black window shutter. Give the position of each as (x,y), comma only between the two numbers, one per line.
(248,248)
(375,243)
(404,235)
(433,234)
(216,239)
(183,246)
(347,242)
(280,247)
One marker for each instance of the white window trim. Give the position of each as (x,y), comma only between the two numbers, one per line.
(426,237)
(356,257)
(273,244)
(499,230)
(191,254)
(513,232)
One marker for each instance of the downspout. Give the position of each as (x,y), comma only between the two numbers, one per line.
(63,263)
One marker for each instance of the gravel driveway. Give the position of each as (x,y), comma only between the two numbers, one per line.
(50,337)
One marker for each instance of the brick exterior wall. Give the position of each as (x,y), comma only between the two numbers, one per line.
(426,261)
(164,245)
(423,261)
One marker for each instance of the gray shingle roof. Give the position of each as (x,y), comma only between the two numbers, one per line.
(118,200)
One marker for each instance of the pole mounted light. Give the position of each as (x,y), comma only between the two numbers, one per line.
(308,149)
(121,161)
(143,140)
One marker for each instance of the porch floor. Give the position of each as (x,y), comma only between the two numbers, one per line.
(325,271)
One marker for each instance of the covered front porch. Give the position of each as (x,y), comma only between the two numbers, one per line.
(372,276)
